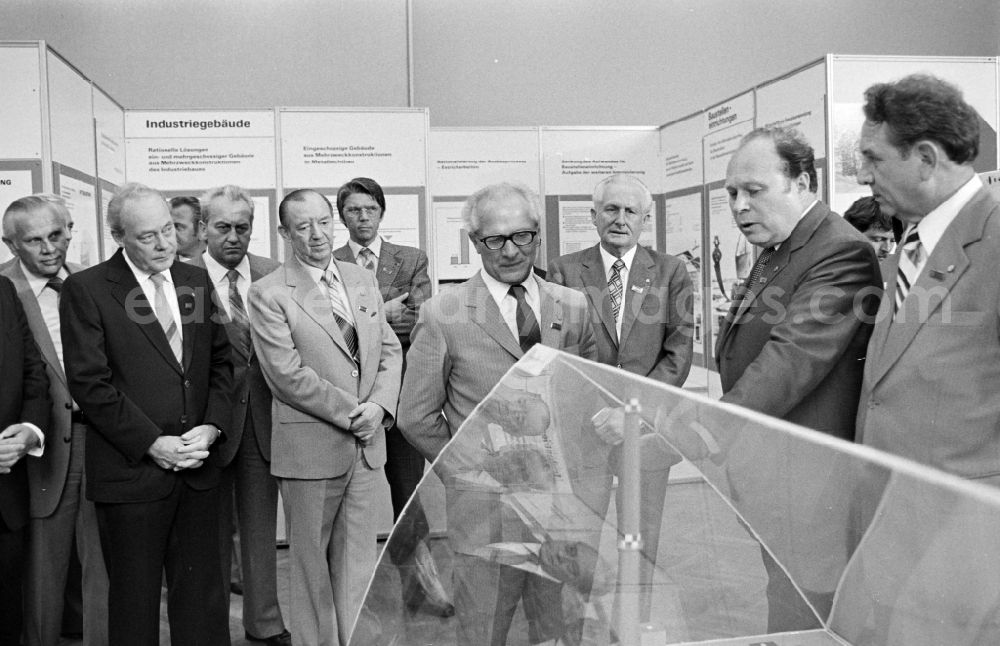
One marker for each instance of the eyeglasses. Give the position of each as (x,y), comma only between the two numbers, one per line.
(519,238)
(358,210)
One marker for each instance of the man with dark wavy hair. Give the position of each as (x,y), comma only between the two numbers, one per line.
(931,388)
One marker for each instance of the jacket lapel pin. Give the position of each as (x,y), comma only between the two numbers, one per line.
(637,289)
(362,308)
(556,326)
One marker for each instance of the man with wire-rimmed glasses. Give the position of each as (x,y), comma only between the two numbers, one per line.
(465,340)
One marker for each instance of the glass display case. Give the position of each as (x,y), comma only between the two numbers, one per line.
(589,506)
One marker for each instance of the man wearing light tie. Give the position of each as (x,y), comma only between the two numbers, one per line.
(641,304)
(333,365)
(226,227)
(63,521)
(465,340)
(402,278)
(149,365)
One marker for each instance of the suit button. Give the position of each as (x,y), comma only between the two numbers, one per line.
(184,419)
(187,383)
(354,373)
(68,405)
(68,439)
(243,401)
(619,366)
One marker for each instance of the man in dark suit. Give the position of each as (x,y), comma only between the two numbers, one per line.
(333,365)
(465,340)
(931,389)
(793,343)
(63,522)
(24,411)
(149,365)
(226,227)
(641,308)
(402,278)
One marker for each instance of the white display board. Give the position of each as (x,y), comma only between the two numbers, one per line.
(574,160)
(797,101)
(71,116)
(462,161)
(20,102)
(323,149)
(850,76)
(17,179)
(80,194)
(109,122)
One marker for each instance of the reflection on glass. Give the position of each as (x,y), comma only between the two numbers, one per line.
(753,531)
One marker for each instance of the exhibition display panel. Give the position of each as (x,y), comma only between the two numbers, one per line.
(768,533)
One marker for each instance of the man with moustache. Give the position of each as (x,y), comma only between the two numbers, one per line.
(333,365)
(63,521)
(149,366)
(465,340)
(225,230)
(793,343)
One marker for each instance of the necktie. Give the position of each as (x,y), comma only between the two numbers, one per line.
(615,287)
(166,317)
(340,313)
(238,312)
(755,274)
(909,266)
(528,332)
(55,284)
(367,259)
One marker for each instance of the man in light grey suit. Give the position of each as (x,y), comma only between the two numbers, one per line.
(465,340)
(931,388)
(641,308)
(333,365)
(225,228)
(36,229)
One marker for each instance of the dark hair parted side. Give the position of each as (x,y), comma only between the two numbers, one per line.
(793,149)
(298,195)
(865,214)
(364,185)
(921,106)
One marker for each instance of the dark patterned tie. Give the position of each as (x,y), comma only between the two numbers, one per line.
(528,332)
(238,312)
(615,287)
(749,289)
(166,317)
(367,259)
(55,284)
(340,313)
(909,267)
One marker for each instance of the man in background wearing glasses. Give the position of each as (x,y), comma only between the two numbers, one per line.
(464,341)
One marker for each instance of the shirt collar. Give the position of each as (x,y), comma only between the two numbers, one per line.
(317,274)
(499,290)
(375,246)
(933,225)
(609,259)
(38,283)
(141,275)
(217,271)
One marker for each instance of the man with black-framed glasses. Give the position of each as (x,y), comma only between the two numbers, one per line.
(465,340)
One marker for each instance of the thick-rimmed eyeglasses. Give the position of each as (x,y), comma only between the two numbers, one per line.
(519,238)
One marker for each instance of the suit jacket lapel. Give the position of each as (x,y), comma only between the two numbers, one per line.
(595,279)
(36,321)
(388,266)
(638,288)
(550,307)
(185,290)
(484,312)
(938,277)
(125,289)
(314,300)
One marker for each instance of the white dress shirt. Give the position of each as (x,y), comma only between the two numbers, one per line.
(933,225)
(508,304)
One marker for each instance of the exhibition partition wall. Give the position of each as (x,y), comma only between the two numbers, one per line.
(183,152)
(462,161)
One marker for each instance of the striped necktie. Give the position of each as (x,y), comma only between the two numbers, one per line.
(367,259)
(238,312)
(909,266)
(528,332)
(166,317)
(341,313)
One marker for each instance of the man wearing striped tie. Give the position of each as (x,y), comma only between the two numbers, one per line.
(931,389)
(149,365)
(333,364)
